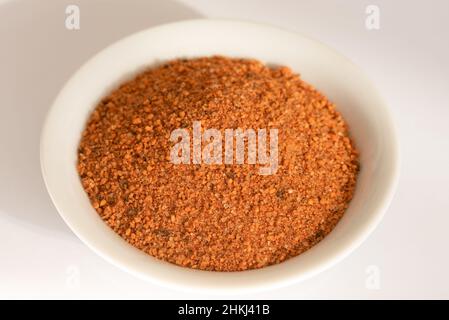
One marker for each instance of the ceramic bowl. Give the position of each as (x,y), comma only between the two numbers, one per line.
(370,123)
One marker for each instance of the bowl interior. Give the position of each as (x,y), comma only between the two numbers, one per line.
(361,106)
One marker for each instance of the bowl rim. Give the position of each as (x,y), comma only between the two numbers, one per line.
(254,287)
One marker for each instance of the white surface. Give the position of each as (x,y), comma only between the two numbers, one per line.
(406,58)
(359,102)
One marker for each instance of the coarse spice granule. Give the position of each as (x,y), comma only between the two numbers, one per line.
(217,217)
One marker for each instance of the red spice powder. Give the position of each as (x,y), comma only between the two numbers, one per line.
(217,217)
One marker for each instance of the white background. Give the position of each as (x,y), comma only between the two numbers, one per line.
(407,59)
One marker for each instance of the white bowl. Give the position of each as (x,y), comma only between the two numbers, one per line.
(366,113)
